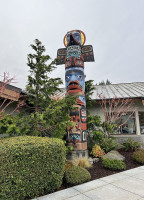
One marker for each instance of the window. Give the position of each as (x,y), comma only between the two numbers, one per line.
(141,120)
(128,127)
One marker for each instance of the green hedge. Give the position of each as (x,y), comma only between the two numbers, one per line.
(30,166)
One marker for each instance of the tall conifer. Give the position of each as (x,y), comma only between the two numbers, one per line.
(40,86)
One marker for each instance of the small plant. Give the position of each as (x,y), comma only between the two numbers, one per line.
(138,156)
(82,162)
(113,164)
(97,152)
(76,175)
(131,145)
(108,144)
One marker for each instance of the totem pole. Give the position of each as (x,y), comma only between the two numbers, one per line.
(74,56)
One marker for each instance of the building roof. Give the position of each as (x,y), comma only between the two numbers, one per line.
(10,92)
(121,90)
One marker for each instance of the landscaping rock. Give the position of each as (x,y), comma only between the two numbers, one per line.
(90,160)
(93,160)
(114,155)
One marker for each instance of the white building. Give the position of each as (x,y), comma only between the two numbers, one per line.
(134,127)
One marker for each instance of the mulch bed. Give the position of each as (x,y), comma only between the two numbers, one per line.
(97,171)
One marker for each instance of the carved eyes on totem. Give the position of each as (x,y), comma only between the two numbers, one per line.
(79,77)
(72,52)
(67,78)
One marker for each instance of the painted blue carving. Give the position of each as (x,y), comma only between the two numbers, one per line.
(74,51)
(76,35)
(82,98)
(75,76)
(75,137)
(74,69)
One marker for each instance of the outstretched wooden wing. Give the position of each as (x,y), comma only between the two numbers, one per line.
(61,55)
(87,52)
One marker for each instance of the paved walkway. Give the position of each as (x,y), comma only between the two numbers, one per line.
(127,185)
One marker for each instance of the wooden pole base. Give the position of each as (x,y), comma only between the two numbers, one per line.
(77,154)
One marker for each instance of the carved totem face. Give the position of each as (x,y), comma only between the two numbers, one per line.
(74,51)
(75,37)
(75,81)
(81,100)
(75,137)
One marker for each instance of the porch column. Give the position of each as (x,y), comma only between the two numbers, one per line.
(137,123)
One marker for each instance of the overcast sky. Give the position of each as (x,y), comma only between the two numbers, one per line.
(115,28)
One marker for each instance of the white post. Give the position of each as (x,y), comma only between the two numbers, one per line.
(137,123)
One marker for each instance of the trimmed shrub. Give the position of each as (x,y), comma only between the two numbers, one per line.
(30,166)
(76,175)
(97,152)
(82,162)
(138,156)
(113,164)
(131,145)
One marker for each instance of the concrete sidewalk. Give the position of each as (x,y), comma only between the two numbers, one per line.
(127,185)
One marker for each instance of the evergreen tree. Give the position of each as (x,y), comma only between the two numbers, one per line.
(89,88)
(40,86)
(105,83)
(108,82)
(102,83)
(51,117)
